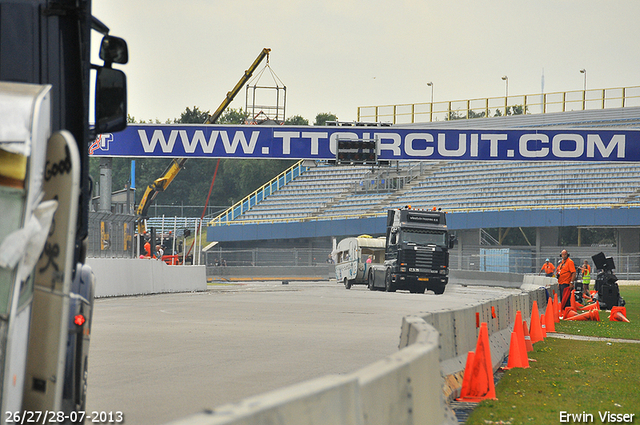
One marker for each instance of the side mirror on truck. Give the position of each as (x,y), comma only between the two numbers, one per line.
(111,101)
(111,87)
(113,49)
(452,240)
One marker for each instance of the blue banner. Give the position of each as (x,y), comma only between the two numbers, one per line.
(394,143)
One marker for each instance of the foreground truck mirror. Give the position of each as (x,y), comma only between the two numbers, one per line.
(111,100)
(452,240)
(114,50)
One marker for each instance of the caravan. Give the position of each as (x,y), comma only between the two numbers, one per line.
(354,256)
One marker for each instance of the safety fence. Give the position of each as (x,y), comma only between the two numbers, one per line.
(111,235)
(264,257)
(576,100)
(483,259)
(527,261)
(115,236)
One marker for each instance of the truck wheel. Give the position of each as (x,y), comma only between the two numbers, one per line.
(388,286)
(439,290)
(370,281)
(347,284)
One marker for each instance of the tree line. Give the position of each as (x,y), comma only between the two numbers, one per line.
(235,179)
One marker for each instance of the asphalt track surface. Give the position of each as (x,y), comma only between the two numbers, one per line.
(162,357)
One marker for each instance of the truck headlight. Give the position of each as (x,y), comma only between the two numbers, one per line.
(403,269)
(443,271)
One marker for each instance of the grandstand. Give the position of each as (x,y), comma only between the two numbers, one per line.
(327,192)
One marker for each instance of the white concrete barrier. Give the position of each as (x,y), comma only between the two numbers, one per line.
(119,277)
(405,387)
(328,400)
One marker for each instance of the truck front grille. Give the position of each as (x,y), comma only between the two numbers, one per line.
(423,258)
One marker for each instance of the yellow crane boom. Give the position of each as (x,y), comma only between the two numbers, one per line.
(170,173)
(232,94)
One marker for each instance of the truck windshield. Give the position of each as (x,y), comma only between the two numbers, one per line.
(424,237)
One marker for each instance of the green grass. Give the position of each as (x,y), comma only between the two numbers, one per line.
(573,376)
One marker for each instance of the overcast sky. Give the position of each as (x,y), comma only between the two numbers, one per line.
(336,55)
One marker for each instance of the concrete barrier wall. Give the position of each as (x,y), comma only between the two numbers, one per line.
(119,277)
(476,278)
(328,400)
(406,388)
(230,274)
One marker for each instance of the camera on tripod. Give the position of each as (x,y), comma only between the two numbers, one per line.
(608,293)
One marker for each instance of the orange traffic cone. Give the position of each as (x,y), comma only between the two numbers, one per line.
(527,337)
(549,316)
(569,312)
(535,330)
(589,315)
(583,316)
(466,378)
(518,327)
(515,358)
(595,306)
(618,314)
(543,326)
(480,385)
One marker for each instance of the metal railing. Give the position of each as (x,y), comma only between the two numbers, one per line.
(576,100)
(258,195)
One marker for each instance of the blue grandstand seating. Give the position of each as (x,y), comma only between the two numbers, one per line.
(307,194)
(326,192)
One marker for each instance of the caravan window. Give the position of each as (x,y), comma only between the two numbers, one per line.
(377,255)
(343,256)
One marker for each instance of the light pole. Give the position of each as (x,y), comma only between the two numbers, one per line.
(430,84)
(584,90)
(584,71)
(506,93)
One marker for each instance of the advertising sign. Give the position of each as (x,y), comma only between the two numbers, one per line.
(394,143)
